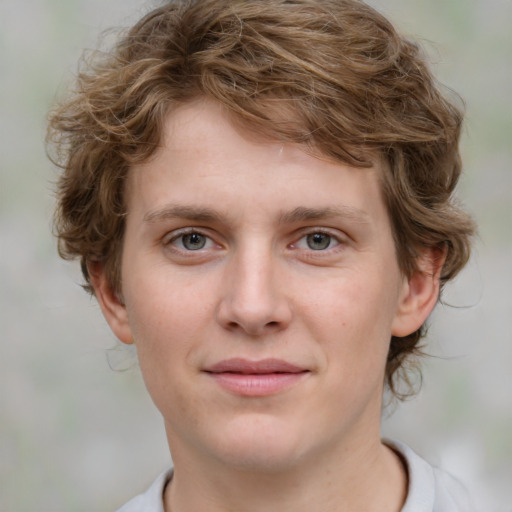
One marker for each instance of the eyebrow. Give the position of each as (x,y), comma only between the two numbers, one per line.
(302,214)
(182,212)
(299,214)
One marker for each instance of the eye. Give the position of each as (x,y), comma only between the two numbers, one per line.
(317,241)
(191,241)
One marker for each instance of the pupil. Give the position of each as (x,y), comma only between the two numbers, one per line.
(194,241)
(318,241)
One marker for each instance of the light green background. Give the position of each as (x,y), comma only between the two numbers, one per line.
(76,436)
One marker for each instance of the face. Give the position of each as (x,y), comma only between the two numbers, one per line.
(261,288)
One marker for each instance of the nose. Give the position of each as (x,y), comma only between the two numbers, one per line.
(252,300)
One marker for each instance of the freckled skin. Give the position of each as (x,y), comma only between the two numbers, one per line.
(259,288)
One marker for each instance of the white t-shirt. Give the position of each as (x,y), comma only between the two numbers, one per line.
(430,489)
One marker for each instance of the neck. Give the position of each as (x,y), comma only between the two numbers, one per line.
(342,484)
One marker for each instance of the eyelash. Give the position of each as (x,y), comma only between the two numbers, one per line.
(331,238)
(176,236)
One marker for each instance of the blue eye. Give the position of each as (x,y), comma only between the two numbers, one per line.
(190,246)
(193,241)
(318,241)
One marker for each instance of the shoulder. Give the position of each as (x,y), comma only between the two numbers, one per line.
(430,488)
(152,499)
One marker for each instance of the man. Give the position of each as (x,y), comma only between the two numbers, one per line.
(261,195)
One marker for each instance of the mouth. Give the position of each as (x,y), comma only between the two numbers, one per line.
(255,378)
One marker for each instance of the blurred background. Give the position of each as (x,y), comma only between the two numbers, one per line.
(77,429)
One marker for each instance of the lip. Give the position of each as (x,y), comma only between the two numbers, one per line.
(255,378)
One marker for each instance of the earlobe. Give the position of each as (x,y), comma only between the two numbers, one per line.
(419,293)
(112,306)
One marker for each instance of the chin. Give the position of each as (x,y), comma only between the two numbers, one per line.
(260,445)
(267,459)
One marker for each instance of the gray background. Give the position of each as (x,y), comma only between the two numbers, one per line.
(77,436)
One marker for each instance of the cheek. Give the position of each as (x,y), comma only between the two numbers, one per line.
(163,321)
(164,333)
(160,300)
(352,320)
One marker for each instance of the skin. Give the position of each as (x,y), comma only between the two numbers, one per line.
(298,264)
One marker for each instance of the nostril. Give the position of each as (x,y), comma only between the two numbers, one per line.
(255,317)
(234,324)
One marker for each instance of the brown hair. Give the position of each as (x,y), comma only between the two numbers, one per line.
(331,74)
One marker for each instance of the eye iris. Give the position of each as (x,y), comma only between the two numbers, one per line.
(318,241)
(194,241)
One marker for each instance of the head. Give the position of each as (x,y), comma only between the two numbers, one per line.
(331,75)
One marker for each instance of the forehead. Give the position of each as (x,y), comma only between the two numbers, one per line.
(207,159)
(197,116)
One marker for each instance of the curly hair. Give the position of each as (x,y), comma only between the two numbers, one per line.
(332,75)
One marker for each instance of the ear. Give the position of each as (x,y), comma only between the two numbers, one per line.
(110,302)
(419,293)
